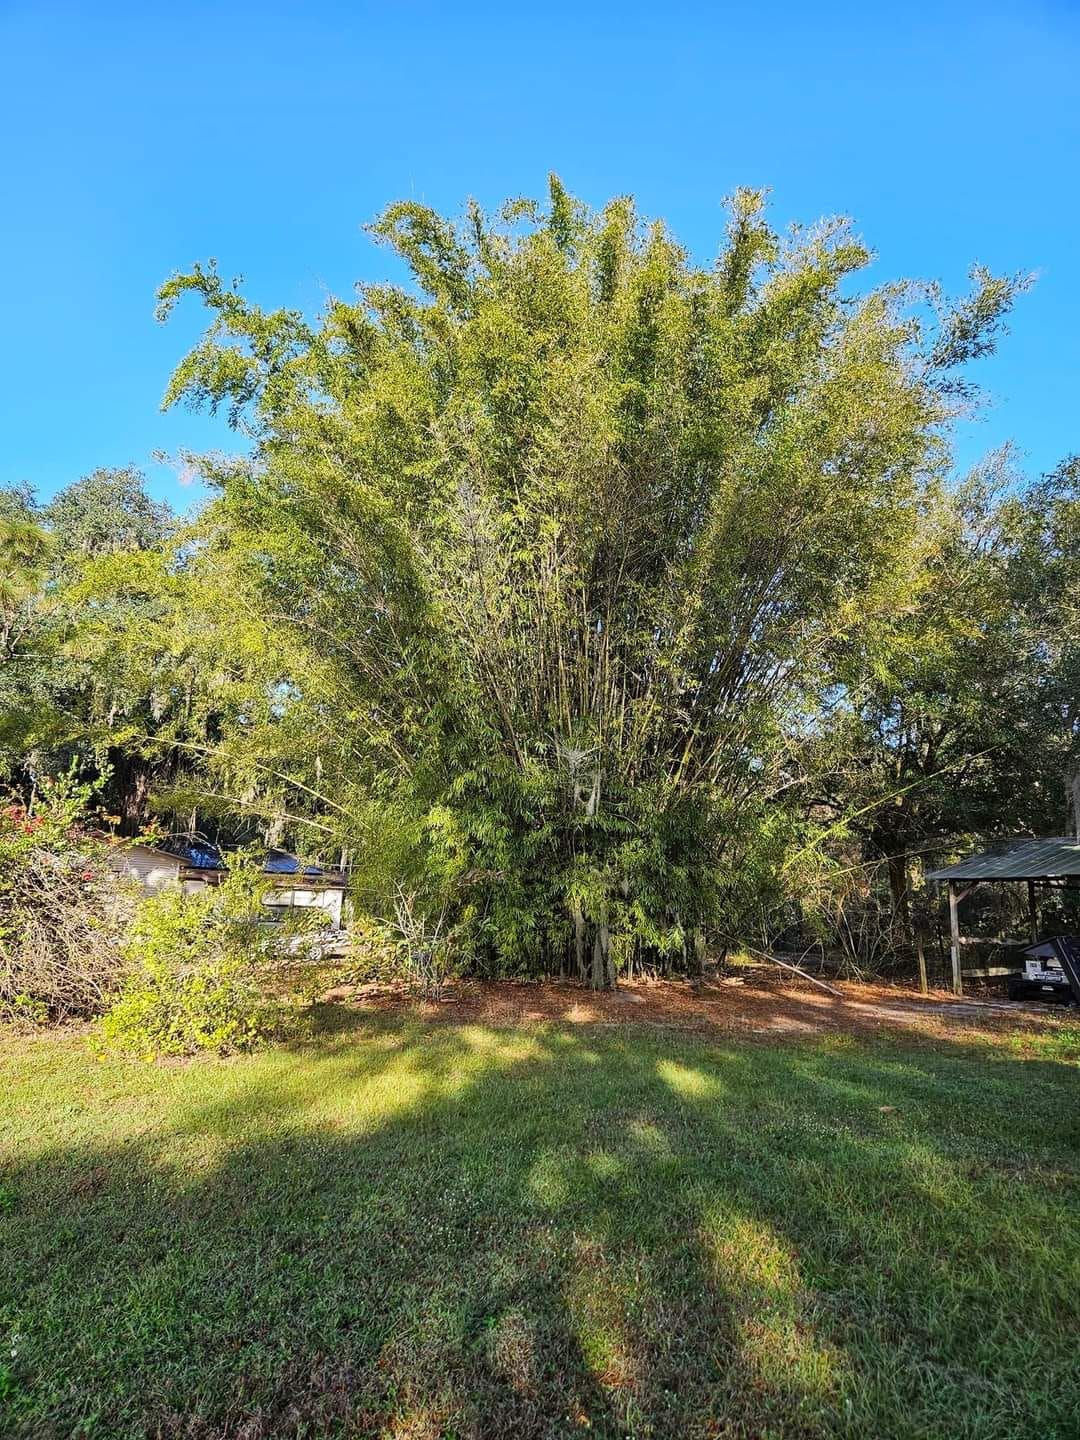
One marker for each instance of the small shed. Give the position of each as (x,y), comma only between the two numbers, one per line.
(192,864)
(1038,864)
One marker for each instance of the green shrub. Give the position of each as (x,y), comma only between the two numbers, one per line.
(196,965)
(62,910)
(417,947)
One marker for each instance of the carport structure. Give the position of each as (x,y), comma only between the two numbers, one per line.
(1041,864)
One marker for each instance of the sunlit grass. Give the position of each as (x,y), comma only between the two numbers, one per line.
(404,1229)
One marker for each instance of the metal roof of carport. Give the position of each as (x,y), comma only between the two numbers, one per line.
(1050,859)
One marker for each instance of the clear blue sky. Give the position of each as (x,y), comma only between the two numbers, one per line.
(139,138)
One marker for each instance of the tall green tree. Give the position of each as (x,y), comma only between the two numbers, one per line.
(27,636)
(959,725)
(561,545)
(1045,583)
(105,512)
(933,734)
(65,700)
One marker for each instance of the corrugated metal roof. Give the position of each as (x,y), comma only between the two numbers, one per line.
(280,862)
(202,855)
(199,854)
(1051,859)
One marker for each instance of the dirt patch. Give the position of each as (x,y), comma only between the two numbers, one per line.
(757,1005)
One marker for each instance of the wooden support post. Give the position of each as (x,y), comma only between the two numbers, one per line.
(954,931)
(1033,912)
(921,955)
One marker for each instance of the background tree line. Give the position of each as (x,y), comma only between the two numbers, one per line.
(601,606)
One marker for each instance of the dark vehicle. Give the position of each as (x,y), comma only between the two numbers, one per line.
(1051,972)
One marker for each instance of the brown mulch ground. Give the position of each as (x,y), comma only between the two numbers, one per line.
(756,1005)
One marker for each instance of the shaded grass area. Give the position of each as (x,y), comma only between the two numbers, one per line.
(400,1229)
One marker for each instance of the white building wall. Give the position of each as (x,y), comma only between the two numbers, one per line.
(325,898)
(152,869)
(155,871)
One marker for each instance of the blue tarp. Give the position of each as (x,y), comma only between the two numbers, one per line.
(202,855)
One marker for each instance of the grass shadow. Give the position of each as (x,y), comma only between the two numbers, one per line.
(393,1228)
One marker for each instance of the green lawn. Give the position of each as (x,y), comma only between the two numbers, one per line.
(406,1229)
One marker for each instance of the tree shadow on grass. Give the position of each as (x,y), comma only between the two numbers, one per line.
(403,1230)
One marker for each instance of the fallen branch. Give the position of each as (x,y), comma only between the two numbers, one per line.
(783,964)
